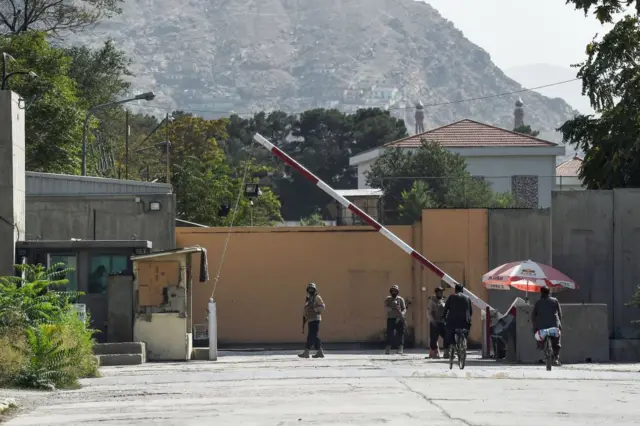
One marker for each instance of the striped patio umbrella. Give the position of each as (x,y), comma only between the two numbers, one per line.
(527,276)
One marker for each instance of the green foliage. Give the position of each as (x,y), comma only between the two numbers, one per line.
(603,10)
(635,302)
(54,120)
(53,16)
(314,219)
(43,342)
(101,75)
(48,362)
(204,179)
(27,301)
(322,140)
(610,142)
(430,177)
(526,130)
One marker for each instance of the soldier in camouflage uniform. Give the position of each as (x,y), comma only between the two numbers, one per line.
(312,315)
(396,311)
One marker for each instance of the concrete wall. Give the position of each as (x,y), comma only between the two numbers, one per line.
(517,234)
(113,217)
(584,334)
(265,271)
(12,186)
(261,290)
(456,241)
(626,261)
(584,237)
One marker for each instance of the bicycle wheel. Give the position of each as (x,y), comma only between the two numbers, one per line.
(452,354)
(548,353)
(462,352)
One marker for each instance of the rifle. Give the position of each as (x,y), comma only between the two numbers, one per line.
(304,321)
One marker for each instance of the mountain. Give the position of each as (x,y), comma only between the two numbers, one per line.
(222,56)
(535,75)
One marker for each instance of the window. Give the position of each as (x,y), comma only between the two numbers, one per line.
(101,267)
(69,261)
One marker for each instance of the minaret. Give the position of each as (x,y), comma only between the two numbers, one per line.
(518,114)
(419,117)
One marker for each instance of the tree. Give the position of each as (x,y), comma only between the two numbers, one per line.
(430,177)
(610,142)
(203,178)
(526,130)
(322,140)
(54,120)
(314,219)
(101,75)
(53,16)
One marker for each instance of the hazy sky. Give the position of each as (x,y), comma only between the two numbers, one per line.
(521,32)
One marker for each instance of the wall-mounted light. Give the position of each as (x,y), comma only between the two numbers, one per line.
(252,190)
(155,206)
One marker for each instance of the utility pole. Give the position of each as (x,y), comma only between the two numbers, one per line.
(166,127)
(126,144)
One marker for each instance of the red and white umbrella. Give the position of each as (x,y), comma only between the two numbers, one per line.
(527,276)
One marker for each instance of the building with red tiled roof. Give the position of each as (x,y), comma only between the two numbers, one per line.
(567,174)
(505,158)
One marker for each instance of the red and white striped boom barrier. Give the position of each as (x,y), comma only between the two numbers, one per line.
(481,304)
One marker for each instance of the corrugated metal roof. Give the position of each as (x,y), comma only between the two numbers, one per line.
(55,184)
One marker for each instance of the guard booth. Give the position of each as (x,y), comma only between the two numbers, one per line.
(101,268)
(163,301)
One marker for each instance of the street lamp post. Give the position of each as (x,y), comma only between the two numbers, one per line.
(148,96)
(6,76)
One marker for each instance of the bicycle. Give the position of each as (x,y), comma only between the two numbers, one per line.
(460,348)
(545,336)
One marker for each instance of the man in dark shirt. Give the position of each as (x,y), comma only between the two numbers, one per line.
(548,314)
(457,314)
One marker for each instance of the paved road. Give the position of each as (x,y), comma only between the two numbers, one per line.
(344,389)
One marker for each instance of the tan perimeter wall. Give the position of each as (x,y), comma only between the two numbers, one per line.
(261,289)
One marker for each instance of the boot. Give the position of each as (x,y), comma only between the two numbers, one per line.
(319,354)
(556,360)
(400,350)
(433,354)
(446,354)
(304,354)
(387,350)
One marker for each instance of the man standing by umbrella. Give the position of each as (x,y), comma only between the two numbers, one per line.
(548,314)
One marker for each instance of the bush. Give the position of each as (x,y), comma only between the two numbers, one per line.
(43,342)
(12,357)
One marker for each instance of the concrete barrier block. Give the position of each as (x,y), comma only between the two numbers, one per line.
(120,359)
(119,348)
(585,334)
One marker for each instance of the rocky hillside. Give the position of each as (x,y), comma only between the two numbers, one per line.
(249,55)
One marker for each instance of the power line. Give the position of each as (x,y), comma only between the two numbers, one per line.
(460,101)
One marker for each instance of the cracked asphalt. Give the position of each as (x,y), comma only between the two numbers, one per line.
(343,389)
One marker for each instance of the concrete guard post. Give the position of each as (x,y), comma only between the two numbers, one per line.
(213,330)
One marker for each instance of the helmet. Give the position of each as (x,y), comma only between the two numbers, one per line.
(437,289)
(311,286)
(459,288)
(395,287)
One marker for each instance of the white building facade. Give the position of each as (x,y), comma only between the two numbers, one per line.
(510,161)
